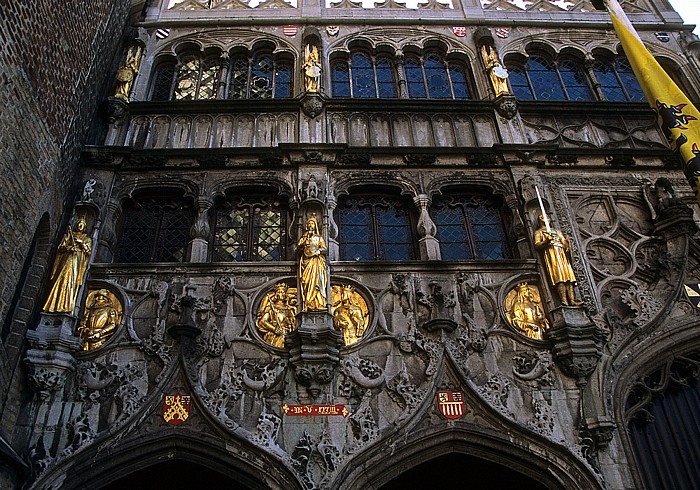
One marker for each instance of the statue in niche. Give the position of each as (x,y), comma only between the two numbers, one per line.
(313,273)
(556,251)
(524,311)
(69,269)
(312,69)
(350,313)
(277,314)
(497,73)
(103,314)
(127,72)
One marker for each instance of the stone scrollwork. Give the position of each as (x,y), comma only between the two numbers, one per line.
(45,380)
(643,303)
(534,366)
(525,312)
(496,392)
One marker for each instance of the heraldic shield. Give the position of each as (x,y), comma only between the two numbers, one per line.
(451,404)
(176,409)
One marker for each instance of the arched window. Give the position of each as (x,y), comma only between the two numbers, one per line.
(251,227)
(197,78)
(434,78)
(469,227)
(617,80)
(375,227)
(364,76)
(155,229)
(542,79)
(259,77)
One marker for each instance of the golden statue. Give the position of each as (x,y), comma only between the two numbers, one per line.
(350,313)
(312,69)
(69,269)
(103,314)
(277,314)
(127,72)
(524,311)
(497,73)
(556,251)
(313,274)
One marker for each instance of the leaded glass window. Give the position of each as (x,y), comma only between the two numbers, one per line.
(617,81)
(364,76)
(250,229)
(261,77)
(432,77)
(469,227)
(155,230)
(375,228)
(197,78)
(542,79)
(163,82)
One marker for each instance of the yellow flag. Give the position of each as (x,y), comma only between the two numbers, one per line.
(678,118)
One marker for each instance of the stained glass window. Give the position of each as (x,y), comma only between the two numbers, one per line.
(250,228)
(375,228)
(155,230)
(163,82)
(469,227)
(364,76)
(432,77)
(617,81)
(542,79)
(197,78)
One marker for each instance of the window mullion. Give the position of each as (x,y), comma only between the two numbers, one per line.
(375,231)
(374,73)
(449,79)
(561,81)
(425,77)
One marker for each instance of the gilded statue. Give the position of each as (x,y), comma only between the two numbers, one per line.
(313,273)
(103,314)
(556,251)
(350,313)
(524,311)
(497,73)
(127,72)
(312,69)
(68,270)
(277,314)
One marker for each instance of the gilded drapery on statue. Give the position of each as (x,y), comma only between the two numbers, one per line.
(524,311)
(277,314)
(127,72)
(313,273)
(68,270)
(497,74)
(103,314)
(312,69)
(350,313)
(556,252)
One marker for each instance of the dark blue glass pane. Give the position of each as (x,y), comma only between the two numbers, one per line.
(629,81)
(340,79)
(518,82)
(362,76)
(394,234)
(261,81)
(436,77)
(163,82)
(544,79)
(283,81)
(459,82)
(355,237)
(414,78)
(575,81)
(385,78)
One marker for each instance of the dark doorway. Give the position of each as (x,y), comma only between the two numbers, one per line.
(461,471)
(182,475)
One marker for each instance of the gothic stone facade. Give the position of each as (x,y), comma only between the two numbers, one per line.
(205,173)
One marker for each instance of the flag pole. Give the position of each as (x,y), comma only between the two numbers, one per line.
(677,116)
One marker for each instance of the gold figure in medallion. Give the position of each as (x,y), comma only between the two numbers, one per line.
(350,314)
(69,269)
(127,72)
(313,273)
(525,312)
(555,248)
(103,314)
(277,314)
(312,69)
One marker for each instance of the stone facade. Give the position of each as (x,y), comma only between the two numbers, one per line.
(555,408)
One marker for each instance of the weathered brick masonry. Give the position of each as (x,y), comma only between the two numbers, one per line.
(56,64)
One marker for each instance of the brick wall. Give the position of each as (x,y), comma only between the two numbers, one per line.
(57,60)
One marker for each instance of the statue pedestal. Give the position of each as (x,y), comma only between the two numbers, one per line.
(314,349)
(577,342)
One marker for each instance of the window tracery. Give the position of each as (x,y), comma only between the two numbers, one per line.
(541,78)
(432,77)
(364,76)
(617,80)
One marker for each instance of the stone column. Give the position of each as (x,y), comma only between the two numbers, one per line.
(200,232)
(221,90)
(428,244)
(401,74)
(597,88)
(108,239)
(333,247)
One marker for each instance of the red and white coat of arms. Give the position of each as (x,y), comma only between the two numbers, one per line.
(451,404)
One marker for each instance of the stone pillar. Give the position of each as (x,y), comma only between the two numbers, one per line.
(333,247)
(223,76)
(401,74)
(429,245)
(597,88)
(108,238)
(200,231)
